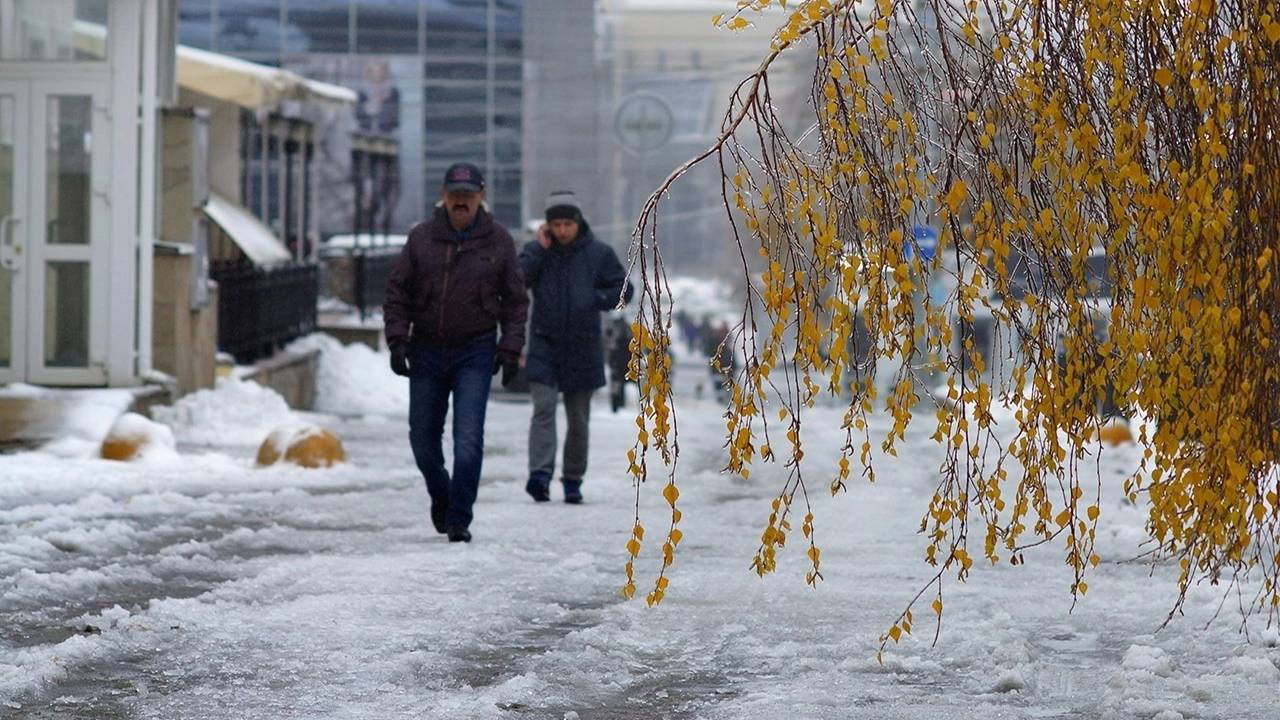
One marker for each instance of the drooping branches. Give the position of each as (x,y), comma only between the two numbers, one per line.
(1103,181)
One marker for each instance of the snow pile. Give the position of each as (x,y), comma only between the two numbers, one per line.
(1143,658)
(1014,665)
(93,414)
(86,417)
(354,379)
(22,390)
(1258,664)
(135,438)
(236,412)
(27,668)
(1271,637)
(1253,668)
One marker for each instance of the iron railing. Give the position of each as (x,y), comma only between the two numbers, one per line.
(261,309)
(371,267)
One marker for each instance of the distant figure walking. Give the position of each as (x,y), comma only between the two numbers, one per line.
(721,359)
(456,281)
(574,278)
(618,342)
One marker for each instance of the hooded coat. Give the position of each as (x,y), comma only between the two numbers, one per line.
(572,284)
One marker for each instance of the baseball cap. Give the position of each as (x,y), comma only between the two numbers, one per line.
(463,176)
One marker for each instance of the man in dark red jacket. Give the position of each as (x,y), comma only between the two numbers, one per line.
(455,283)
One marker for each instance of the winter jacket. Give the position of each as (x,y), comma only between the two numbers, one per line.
(449,287)
(571,285)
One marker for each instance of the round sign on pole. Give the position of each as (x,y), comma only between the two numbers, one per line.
(643,122)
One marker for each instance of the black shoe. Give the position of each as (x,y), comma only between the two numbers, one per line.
(572,491)
(539,488)
(438,511)
(457,533)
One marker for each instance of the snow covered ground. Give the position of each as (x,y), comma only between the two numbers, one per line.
(201,587)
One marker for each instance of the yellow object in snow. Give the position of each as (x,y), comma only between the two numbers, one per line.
(1115,433)
(305,446)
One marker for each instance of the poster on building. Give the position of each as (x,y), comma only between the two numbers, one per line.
(382,195)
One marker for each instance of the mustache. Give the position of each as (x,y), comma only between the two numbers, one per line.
(461,207)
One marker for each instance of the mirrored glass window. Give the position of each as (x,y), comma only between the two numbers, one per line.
(53,30)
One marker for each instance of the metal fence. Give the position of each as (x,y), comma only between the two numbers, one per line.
(371,267)
(261,309)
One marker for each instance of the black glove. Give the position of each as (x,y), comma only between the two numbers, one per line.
(400,359)
(509,363)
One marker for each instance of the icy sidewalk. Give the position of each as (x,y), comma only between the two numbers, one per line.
(210,589)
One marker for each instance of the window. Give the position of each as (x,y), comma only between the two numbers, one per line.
(507,98)
(454,94)
(44,30)
(451,70)
(248,26)
(195,23)
(319,27)
(454,146)
(389,27)
(505,70)
(455,28)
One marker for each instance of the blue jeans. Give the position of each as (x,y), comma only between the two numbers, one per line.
(435,373)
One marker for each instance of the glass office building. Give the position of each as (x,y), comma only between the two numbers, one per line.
(443,77)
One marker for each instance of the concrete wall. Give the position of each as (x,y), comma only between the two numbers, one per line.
(224,143)
(184,340)
(293,375)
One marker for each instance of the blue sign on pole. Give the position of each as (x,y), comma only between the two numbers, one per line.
(926,238)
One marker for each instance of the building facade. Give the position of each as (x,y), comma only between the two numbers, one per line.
(668,68)
(80,84)
(442,77)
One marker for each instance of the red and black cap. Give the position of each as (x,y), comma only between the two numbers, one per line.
(463,176)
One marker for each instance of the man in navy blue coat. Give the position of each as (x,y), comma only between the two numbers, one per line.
(573,278)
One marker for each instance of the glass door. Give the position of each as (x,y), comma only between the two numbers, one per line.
(53,231)
(14,130)
(68,233)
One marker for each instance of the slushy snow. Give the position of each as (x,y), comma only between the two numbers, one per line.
(210,589)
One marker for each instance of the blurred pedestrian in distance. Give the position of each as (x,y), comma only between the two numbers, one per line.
(618,342)
(688,330)
(721,359)
(574,278)
(456,282)
(703,334)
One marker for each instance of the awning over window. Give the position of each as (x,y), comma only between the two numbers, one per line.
(254,239)
(250,85)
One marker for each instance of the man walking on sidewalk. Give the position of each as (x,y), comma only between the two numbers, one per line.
(455,283)
(573,277)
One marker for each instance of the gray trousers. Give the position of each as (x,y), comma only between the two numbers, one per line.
(542,431)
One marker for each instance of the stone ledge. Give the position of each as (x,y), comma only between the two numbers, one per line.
(350,334)
(292,374)
(32,416)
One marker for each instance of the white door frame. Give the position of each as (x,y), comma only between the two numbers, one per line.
(29,249)
(13,232)
(120,292)
(95,253)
